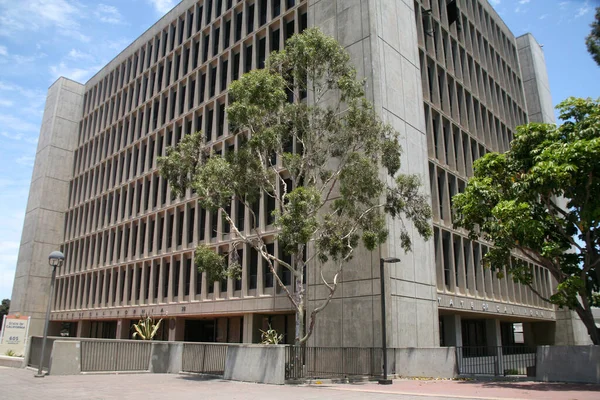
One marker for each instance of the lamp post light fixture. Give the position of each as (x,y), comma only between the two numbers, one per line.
(55,259)
(382,262)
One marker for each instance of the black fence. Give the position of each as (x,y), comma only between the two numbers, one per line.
(332,362)
(496,360)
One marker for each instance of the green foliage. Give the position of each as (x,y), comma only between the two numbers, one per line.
(270,336)
(331,146)
(592,41)
(146,328)
(4,308)
(216,265)
(10,353)
(542,199)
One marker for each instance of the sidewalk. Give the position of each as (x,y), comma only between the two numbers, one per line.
(478,389)
(20,384)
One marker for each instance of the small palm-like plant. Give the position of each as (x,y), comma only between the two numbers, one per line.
(146,328)
(270,336)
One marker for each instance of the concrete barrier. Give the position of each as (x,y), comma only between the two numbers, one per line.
(166,358)
(12,362)
(579,364)
(434,362)
(256,363)
(65,358)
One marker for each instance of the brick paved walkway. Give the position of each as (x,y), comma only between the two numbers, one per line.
(20,384)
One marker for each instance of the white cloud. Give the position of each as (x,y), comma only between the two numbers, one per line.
(19,137)
(14,124)
(119,44)
(584,9)
(75,73)
(5,103)
(3,51)
(163,6)
(9,250)
(524,1)
(27,161)
(79,55)
(544,16)
(495,2)
(32,15)
(108,14)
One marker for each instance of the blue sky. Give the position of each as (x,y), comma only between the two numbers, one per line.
(41,40)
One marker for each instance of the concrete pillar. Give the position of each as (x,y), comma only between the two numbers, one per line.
(45,213)
(249,327)
(123,329)
(83,328)
(452,330)
(176,329)
(535,80)
(494,339)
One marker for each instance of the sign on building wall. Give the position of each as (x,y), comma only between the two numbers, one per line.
(13,338)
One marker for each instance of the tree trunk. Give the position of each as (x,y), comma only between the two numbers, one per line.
(300,299)
(586,316)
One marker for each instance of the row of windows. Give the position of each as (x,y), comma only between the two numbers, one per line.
(465,109)
(161,108)
(168,279)
(473,23)
(189,28)
(469,66)
(473,102)
(460,271)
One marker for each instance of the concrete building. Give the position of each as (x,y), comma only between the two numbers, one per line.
(455,83)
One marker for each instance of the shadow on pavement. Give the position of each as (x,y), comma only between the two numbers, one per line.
(199,378)
(538,386)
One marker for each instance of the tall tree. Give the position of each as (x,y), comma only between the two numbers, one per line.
(592,41)
(540,202)
(312,146)
(4,309)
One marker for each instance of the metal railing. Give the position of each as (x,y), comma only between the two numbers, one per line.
(205,358)
(35,347)
(115,355)
(331,362)
(496,360)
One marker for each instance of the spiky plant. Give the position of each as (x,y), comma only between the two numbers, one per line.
(146,328)
(270,336)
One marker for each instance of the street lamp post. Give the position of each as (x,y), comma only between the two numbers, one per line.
(382,262)
(55,259)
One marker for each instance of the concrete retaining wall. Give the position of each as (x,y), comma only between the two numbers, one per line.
(65,358)
(568,364)
(12,362)
(434,362)
(166,358)
(256,363)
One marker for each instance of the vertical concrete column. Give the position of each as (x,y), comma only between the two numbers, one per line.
(248,329)
(452,330)
(83,329)
(48,200)
(123,329)
(494,338)
(535,80)
(176,329)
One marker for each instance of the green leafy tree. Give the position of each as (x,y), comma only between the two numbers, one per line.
(592,41)
(4,309)
(540,202)
(328,164)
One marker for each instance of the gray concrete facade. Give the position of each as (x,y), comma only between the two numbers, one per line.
(43,229)
(453,94)
(535,80)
